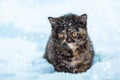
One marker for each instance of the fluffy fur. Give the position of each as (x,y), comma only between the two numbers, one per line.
(69,48)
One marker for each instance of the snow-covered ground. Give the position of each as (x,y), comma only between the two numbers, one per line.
(24,31)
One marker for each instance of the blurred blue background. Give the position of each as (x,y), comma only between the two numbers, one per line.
(25,29)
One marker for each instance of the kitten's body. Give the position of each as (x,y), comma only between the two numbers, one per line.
(69,48)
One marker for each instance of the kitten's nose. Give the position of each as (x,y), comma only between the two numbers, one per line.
(65,44)
(68,40)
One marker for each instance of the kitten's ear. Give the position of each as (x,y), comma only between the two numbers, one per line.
(83,18)
(53,21)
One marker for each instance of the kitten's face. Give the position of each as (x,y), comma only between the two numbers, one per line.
(70,30)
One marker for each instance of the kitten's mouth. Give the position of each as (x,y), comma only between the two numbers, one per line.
(72,46)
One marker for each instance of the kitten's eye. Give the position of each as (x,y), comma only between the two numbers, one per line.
(60,35)
(74,34)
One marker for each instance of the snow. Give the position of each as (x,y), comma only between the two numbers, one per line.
(24,31)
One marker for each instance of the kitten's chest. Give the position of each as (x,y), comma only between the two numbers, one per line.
(78,56)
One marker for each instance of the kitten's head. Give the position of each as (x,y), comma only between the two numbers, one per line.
(69,30)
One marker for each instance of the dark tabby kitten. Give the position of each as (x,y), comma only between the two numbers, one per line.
(69,48)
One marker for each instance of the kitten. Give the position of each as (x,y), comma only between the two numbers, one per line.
(69,48)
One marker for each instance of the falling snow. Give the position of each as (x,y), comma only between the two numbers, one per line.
(24,31)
